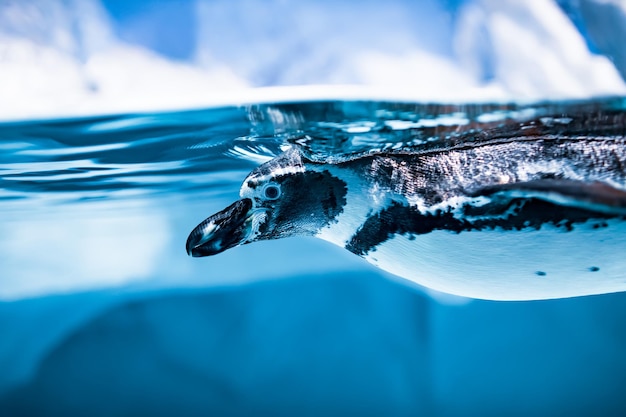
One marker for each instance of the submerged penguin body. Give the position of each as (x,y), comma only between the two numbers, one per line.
(530,218)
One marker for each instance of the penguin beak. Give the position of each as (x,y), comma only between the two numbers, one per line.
(221,231)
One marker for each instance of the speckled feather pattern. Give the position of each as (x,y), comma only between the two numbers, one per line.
(432,178)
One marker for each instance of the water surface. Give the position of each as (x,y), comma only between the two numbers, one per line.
(104,200)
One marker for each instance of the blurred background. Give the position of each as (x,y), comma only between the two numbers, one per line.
(102,312)
(68,57)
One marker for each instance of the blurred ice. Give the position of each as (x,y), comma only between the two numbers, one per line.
(532,50)
(61,58)
(78,247)
(68,57)
(604,23)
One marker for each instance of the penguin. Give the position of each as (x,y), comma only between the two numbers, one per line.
(509,218)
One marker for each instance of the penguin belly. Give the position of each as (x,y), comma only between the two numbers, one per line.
(528,264)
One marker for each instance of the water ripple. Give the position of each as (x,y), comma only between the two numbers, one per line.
(123,156)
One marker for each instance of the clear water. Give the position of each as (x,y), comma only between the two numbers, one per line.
(98,290)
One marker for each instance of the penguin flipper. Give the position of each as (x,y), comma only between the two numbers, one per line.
(595,196)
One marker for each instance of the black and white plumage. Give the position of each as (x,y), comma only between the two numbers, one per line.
(510,218)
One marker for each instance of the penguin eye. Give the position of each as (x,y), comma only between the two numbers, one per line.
(271,191)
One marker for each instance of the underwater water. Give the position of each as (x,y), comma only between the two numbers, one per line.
(104,313)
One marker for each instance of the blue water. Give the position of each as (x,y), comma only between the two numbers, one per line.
(103,313)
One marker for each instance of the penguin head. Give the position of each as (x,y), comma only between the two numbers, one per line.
(287,196)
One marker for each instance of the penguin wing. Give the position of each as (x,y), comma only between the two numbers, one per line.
(594,196)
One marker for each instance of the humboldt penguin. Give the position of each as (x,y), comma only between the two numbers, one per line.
(505,219)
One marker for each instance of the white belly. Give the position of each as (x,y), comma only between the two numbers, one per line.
(512,265)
